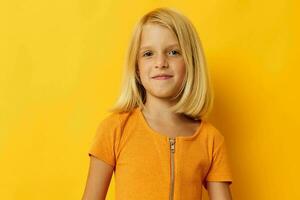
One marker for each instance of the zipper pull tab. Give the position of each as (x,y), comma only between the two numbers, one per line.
(172,143)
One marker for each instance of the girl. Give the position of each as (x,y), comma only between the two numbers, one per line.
(156,140)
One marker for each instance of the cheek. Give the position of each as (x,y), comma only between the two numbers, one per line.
(142,71)
(181,68)
(143,63)
(143,67)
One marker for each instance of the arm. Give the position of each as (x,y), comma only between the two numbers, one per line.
(98,180)
(218,190)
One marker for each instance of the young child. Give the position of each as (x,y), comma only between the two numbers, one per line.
(156,140)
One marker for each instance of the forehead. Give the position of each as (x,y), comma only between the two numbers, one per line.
(157,35)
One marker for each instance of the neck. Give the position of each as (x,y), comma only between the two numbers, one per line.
(158,108)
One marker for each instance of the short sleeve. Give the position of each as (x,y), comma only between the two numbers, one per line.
(103,143)
(220,167)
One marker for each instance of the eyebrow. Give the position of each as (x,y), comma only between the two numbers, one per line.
(169,46)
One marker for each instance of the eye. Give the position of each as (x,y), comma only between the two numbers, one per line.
(146,54)
(175,51)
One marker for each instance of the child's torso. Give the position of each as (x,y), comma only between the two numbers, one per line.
(146,162)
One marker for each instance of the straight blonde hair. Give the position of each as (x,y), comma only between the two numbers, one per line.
(195,97)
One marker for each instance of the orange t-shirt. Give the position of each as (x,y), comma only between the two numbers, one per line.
(147,165)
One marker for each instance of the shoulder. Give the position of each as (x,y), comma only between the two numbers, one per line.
(213,134)
(214,140)
(114,120)
(111,119)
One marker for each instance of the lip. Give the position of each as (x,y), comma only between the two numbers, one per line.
(160,75)
(164,77)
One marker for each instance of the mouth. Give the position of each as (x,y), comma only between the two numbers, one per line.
(164,77)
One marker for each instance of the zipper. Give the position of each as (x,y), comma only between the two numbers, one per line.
(172,151)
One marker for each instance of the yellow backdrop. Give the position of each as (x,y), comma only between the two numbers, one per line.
(61,65)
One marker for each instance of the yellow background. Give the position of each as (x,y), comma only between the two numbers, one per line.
(61,65)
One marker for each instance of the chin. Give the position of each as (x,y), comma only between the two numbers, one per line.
(166,95)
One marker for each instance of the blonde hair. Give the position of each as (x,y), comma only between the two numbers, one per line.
(196,94)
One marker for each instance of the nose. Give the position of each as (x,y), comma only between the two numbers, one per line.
(161,61)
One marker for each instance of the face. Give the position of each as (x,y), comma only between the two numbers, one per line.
(160,53)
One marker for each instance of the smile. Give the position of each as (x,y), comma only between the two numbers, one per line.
(162,77)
